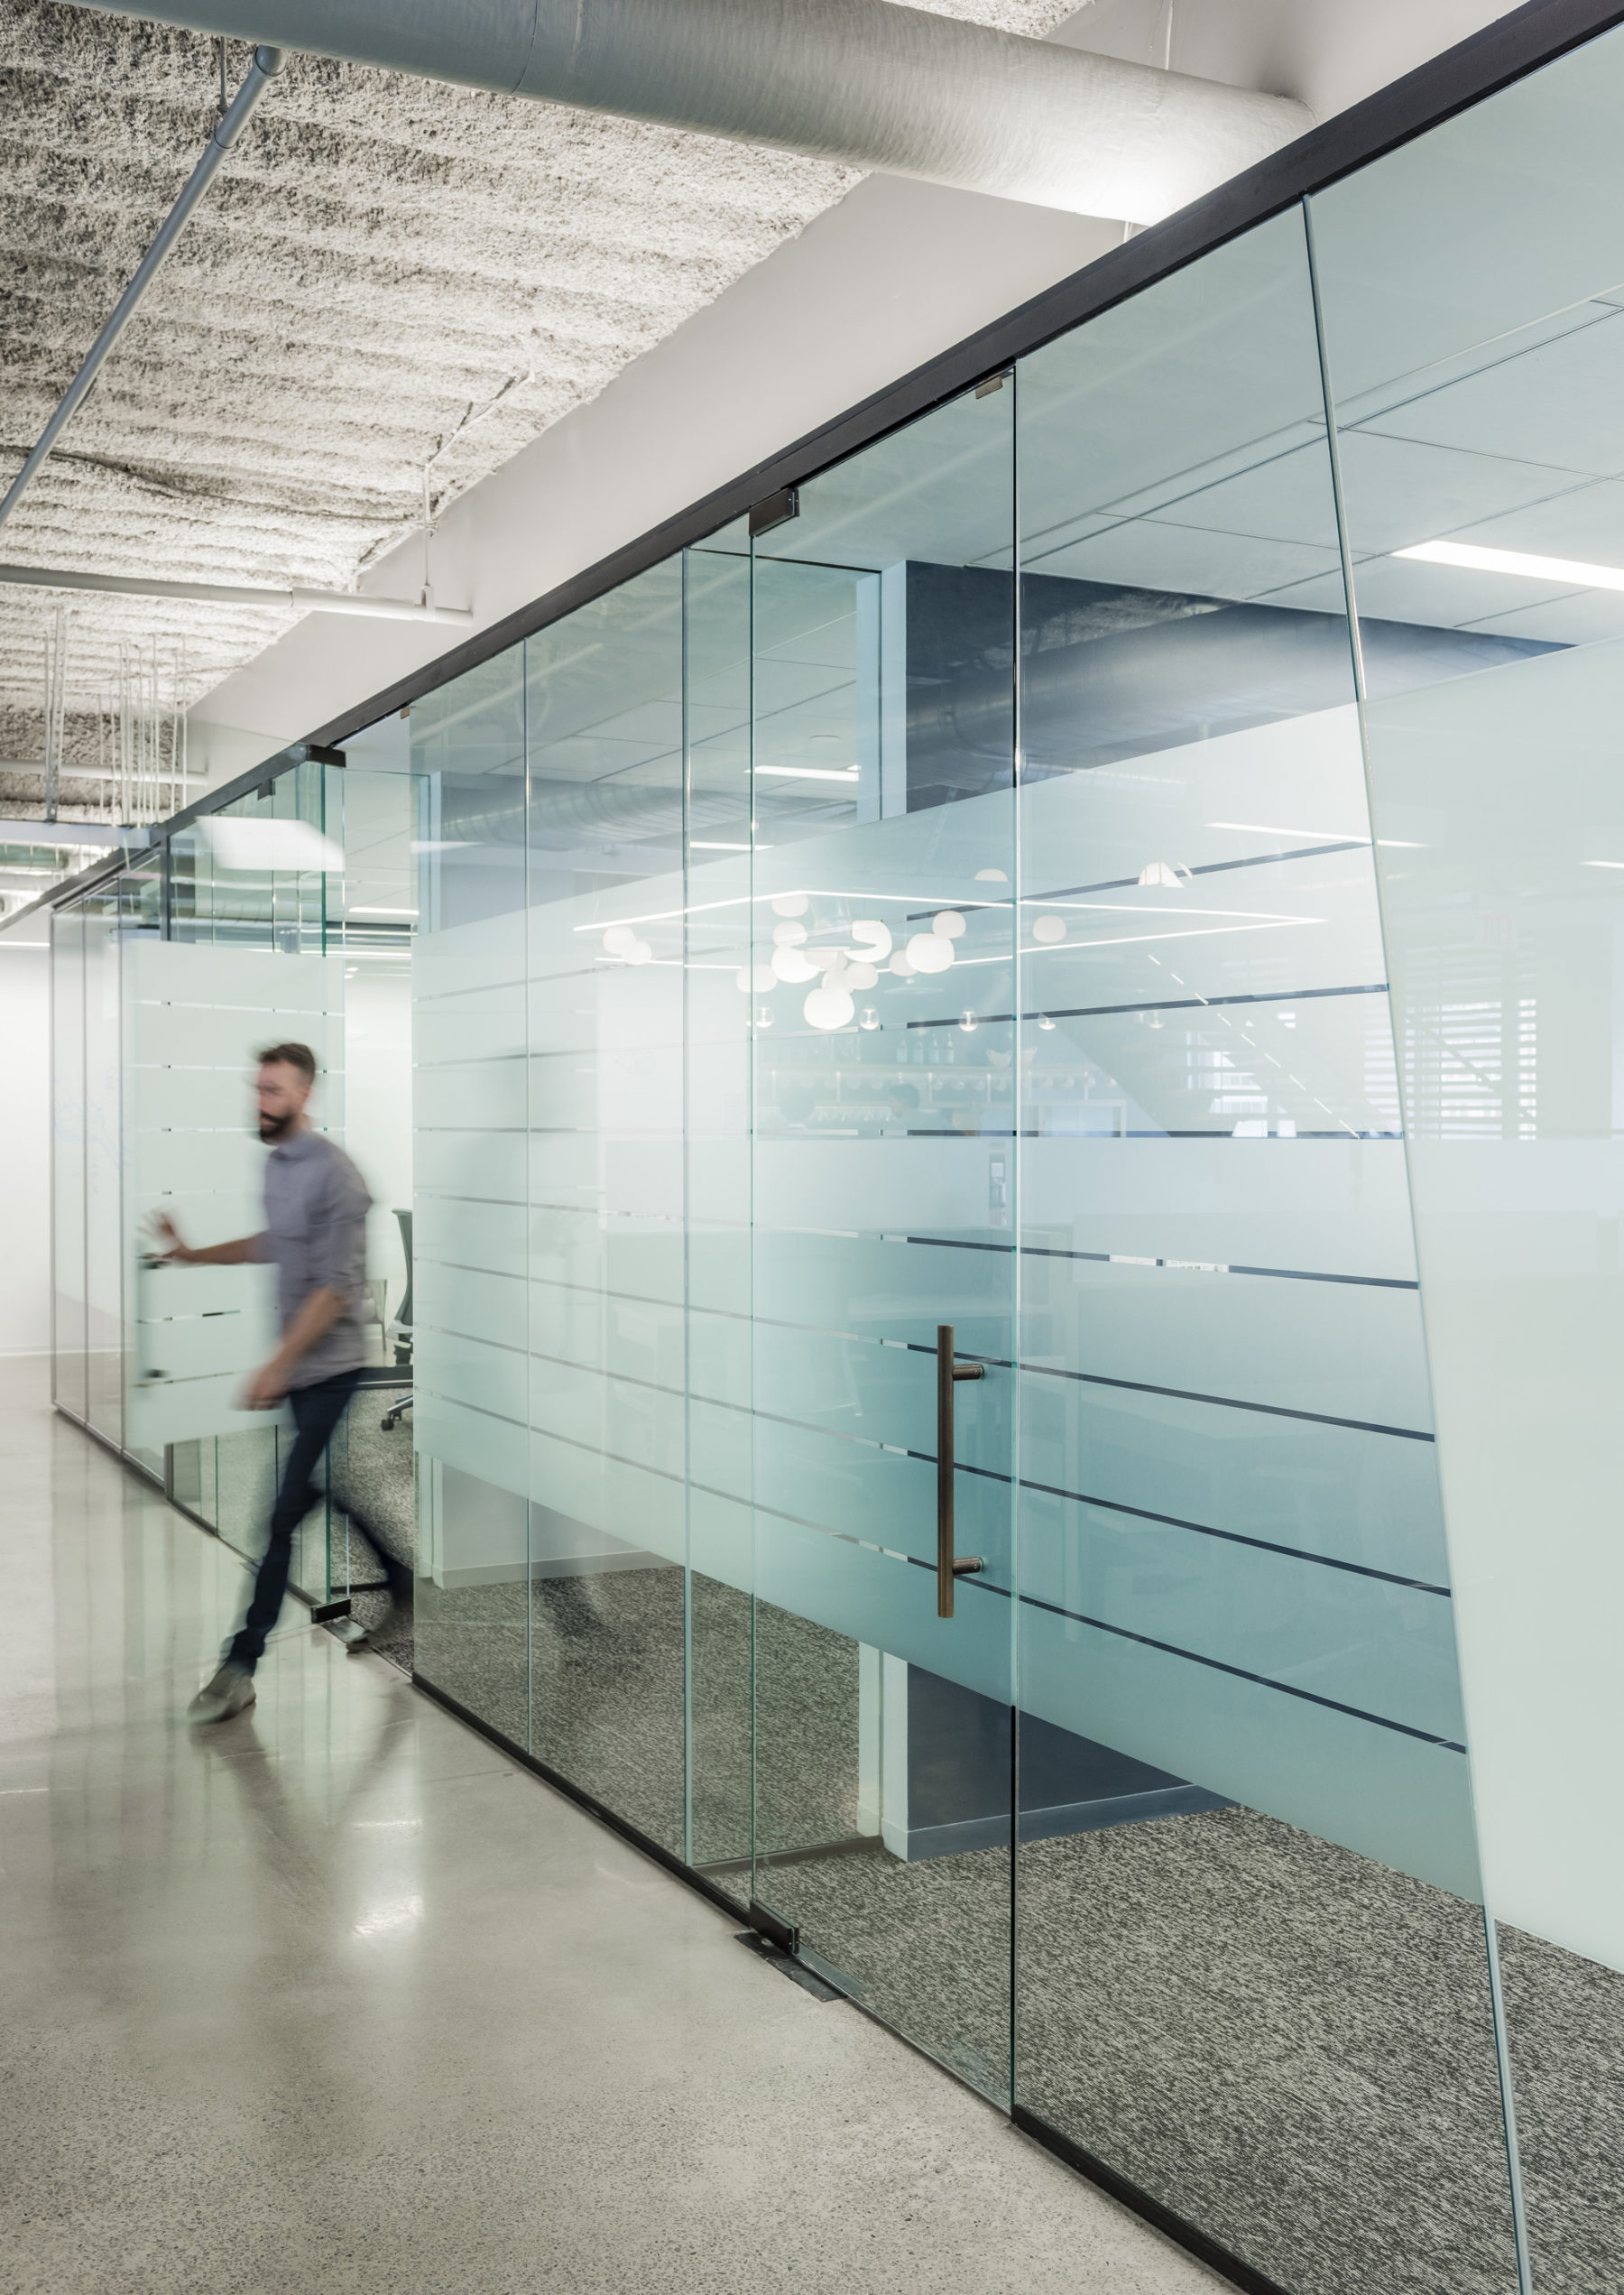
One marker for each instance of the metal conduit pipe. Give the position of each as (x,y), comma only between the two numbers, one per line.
(267,62)
(865,83)
(291,595)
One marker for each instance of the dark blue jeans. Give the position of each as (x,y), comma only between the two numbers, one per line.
(317,1411)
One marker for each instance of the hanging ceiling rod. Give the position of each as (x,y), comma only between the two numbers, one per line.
(267,62)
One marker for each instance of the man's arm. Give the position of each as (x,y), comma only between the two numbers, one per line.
(240,1250)
(314,1320)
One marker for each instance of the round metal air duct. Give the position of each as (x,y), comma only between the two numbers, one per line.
(865,83)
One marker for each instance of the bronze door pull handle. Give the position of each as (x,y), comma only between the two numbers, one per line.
(948,1565)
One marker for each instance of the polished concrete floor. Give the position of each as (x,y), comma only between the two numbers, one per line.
(335,1998)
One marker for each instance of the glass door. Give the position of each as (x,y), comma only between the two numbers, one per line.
(369,924)
(881,985)
(242,960)
(69,1387)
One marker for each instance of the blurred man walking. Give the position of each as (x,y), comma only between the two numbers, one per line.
(316,1206)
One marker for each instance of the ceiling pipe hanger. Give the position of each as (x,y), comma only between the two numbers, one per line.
(267,62)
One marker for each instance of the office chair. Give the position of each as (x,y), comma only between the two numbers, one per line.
(399,1329)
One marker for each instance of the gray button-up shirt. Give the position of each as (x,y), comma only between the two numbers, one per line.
(316,1206)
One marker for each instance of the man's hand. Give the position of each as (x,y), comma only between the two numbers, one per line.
(266,1388)
(165,1233)
(240,1250)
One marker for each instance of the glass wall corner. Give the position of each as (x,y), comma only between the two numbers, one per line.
(1242,1751)
(1476,363)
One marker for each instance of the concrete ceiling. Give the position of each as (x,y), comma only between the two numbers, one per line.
(381,259)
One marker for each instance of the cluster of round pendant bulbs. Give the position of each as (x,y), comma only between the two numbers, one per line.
(842,972)
(846,972)
(619,940)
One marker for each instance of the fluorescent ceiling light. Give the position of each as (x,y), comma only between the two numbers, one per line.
(270,845)
(1273,828)
(908,899)
(1321,836)
(1602,865)
(704,845)
(1574,572)
(810,773)
(365,908)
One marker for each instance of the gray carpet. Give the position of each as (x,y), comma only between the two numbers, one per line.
(1286,2043)
(1565,2017)
(590,1678)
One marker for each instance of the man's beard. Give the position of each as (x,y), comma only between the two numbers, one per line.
(274,1127)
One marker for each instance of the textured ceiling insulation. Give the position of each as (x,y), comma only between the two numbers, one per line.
(378,260)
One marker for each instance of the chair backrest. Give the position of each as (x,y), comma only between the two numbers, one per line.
(404,1317)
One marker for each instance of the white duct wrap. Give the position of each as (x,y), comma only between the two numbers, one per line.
(866,83)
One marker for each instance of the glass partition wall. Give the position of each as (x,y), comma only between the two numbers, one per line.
(261,924)
(1012,1151)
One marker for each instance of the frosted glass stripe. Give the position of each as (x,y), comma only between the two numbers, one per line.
(1347,1351)
(1374,1790)
(459,1231)
(459,1164)
(618,1495)
(1337,1206)
(1357,1641)
(488,1095)
(460,1368)
(466,1301)
(1358,1496)
(871,1596)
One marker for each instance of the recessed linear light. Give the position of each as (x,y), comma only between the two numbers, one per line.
(1273,828)
(1320,836)
(1472,555)
(1601,865)
(369,910)
(810,773)
(706,845)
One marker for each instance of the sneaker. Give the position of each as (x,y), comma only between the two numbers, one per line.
(394,1624)
(231,1692)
